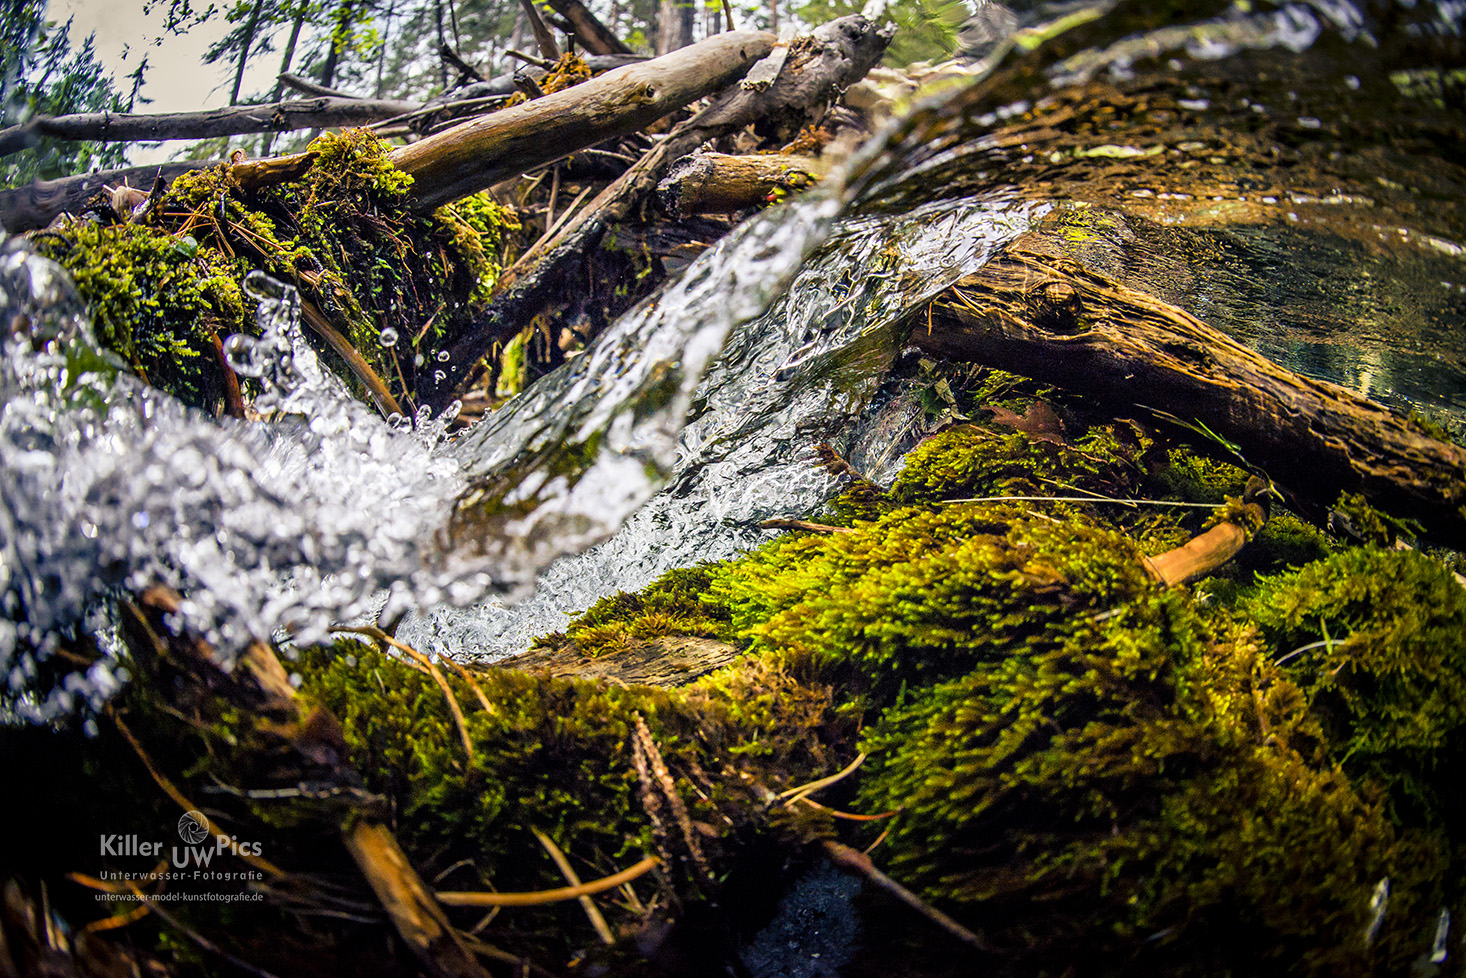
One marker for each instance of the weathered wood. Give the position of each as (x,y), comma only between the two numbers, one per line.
(822,64)
(320,112)
(589,31)
(37,204)
(668,661)
(719,183)
(481,152)
(307,87)
(1050,319)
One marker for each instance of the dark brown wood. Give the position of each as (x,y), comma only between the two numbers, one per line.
(319,112)
(479,153)
(543,39)
(1053,320)
(589,31)
(719,183)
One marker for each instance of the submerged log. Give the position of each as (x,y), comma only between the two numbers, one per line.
(1053,320)
(481,152)
(313,113)
(718,183)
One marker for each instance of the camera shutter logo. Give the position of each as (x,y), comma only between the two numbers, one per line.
(193,827)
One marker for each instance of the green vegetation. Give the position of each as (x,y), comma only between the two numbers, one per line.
(343,234)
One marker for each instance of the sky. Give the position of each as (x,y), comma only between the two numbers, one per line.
(177,80)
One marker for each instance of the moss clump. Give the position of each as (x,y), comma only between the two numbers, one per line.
(344,233)
(1097,796)
(158,300)
(1375,638)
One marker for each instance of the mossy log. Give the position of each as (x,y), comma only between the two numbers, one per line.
(1049,318)
(320,112)
(261,685)
(481,152)
(720,183)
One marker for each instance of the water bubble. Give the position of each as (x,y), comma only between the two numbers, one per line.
(387,337)
(443,356)
(439,376)
(239,352)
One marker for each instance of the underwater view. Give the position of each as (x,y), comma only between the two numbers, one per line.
(940,489)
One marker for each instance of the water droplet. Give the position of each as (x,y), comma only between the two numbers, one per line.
(443,356)
(387,337)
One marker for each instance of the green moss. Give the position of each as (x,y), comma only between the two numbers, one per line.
(1375,638)
(158,300)
(670,606)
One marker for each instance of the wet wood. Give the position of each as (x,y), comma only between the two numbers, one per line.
(1205,552)
(668,661)
(1048,318)
(719,183)
(479,153)
(312,113)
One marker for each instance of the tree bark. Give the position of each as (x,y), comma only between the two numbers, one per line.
(716,183)
(483,151)
(594,36)
(675,20)
(232,121)
(1052,320)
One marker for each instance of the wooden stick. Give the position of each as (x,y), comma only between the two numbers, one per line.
(543,39)
(597,920)
(318,112)
(860,865)
(588,30)
(454,898)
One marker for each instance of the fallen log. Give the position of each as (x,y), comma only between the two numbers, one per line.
(313,113)
(37,204)
(481,152)
(589,31)
(814,70)
(1055,321)
(719,183)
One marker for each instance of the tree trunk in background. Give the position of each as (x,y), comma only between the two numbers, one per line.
(675,19)
(443,42)
(774,16)
(340,31)
(382,55)
(267,144)
(245,43)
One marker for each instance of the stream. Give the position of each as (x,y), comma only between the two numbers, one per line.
(1288,173)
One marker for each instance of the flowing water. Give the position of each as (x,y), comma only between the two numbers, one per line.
(1287,173)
